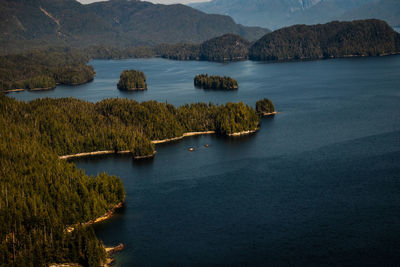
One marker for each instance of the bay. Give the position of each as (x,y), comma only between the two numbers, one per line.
(319,184)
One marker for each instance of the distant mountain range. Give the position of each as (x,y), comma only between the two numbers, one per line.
(276,14)
(388,10)
(29,23)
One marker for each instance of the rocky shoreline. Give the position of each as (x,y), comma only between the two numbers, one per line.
(243,133)
(111,251)
(104,217)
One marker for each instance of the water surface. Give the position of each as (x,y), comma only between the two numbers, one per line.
(317,185)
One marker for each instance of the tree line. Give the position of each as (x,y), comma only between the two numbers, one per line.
(335,39)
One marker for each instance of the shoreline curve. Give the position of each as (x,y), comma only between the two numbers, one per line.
(156,142)
(102,218)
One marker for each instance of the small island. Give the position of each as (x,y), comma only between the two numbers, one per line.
(132,80)
(215,82)
(265,107)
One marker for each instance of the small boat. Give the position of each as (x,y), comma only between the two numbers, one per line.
(191,149)
(207,145)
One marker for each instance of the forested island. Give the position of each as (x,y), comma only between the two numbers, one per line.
(132,80)
(42,195)
(265,107)
(332,40)
(44,69)
(215,82)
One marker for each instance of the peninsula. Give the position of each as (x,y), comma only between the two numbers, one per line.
(44,69)
(60,203)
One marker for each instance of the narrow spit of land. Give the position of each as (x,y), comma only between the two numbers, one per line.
(108,152)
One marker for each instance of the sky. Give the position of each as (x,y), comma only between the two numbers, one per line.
(155,1)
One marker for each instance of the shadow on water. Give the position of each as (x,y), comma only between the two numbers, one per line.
(143,162)
(130,92)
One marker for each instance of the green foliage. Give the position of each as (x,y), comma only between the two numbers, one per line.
(132,80)
(264,106)
(178,51)
(41,195)
(215,82)
(43,69)
(229,47)
(334,39)
(235,118)
(28,24)
(111,52)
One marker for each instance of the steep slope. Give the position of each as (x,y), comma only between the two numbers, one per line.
(325,11)
(388,10)
(335,39)
(28,23)
(275,14)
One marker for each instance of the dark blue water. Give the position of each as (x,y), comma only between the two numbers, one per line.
(318,185)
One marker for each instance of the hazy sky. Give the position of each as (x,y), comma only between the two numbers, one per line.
(155,1)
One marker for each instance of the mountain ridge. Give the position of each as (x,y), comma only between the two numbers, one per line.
(32,23)
(275,14)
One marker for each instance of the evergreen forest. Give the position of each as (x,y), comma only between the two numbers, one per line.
(42,195)
(215,82)
(264,106)
(132,80)
(44,68)
(335,39)
(332,40)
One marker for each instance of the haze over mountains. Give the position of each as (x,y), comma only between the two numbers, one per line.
(28,23)
(275,14)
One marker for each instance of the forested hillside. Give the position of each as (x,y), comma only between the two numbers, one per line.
(228,47)
(334,39)
(41,195)
(44,69)
(120,23)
